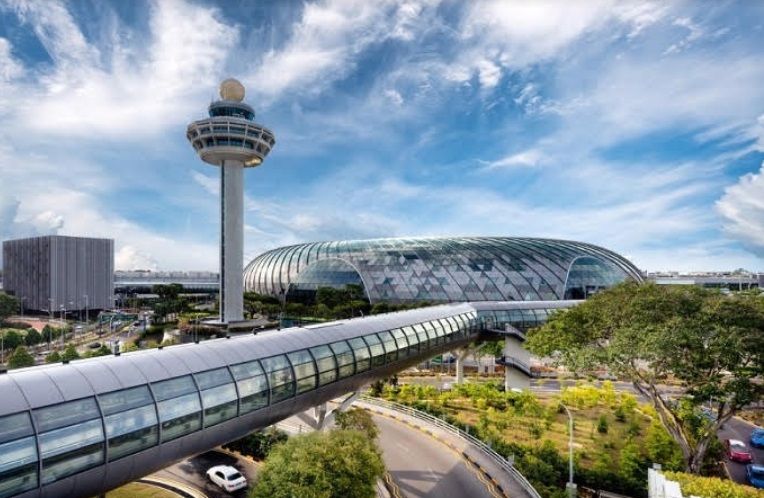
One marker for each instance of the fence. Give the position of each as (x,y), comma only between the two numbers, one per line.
(481,446)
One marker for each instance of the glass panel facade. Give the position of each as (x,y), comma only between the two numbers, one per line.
(71,438)
(218,393)
(412,338)
(376,349)
(361,352)
(280,377)
(327,366)
(345,359)
(445,269)
(131,421)
(304,370)
(391,348)
(401,341)
(18,455)
(252,384)
(180,411)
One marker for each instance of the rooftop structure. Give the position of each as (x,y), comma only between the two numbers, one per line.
(447,269)
(230,138)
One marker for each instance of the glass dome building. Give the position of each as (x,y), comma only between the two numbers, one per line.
(447,269)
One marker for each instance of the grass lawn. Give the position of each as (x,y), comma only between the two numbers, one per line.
(140,490)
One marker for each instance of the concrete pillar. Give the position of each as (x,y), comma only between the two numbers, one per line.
(231,241)
(461,355)
(515,377)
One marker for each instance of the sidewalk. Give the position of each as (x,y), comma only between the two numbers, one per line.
(504,482)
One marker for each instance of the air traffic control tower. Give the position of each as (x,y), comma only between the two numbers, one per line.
(230,138)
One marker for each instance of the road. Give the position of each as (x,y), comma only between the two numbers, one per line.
(740,429)
(424,467)
(192,472)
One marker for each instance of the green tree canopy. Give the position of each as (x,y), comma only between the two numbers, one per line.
(70,353)
(11,339)
(713,344)
(32,338)
(357,419)
(322,465)
(53,357)
(9,305)
(20,358)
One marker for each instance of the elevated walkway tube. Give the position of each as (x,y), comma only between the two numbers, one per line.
(83,428)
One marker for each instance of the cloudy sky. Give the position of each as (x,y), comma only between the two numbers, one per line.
(637,126)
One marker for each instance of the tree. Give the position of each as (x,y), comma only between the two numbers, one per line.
(70,353)
(713,344)
(33,338)
(357,419)
(53,357)
(9,305)
(337,463)
(20,358)
(11,339)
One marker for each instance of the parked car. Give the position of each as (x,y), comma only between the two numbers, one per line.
(737,451)
(227,477)
(757,438)
(94,345)
(755,475)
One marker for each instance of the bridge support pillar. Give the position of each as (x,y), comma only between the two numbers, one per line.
(514,376)
(461,355)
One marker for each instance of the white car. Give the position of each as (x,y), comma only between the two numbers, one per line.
(227,477)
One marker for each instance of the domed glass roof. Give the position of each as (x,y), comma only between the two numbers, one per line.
(400,270)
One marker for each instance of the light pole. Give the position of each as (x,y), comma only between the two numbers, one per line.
(21,304)
(87,311)
(63,329)
(50,307)
(570,486)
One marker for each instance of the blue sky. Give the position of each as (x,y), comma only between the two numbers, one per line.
(638,126)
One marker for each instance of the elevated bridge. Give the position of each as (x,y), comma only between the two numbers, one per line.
(83,428)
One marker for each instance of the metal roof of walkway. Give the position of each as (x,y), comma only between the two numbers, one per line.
(82,428)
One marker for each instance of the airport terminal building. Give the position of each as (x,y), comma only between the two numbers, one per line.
(447,269)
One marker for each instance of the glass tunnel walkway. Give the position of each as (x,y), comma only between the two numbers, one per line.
(82,428)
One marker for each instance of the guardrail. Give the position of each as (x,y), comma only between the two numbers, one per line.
(484,448)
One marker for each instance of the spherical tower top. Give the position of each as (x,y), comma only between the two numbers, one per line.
(232,89)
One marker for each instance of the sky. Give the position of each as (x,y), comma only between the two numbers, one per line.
(637,126)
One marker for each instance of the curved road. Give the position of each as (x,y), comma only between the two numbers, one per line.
(424,467)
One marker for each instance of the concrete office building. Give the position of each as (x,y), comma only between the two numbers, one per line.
(55,272)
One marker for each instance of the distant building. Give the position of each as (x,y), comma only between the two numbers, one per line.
(733,281)
(57,272)
(143,281)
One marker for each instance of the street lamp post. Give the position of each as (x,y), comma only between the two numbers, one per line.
(570,486)
(21,304)
(87,310)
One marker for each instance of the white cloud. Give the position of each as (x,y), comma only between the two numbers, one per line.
(130,258)
(208,183)
(86,92)
(524,159)
(742,207)
(394,97)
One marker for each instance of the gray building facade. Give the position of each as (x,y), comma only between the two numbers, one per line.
(54,271)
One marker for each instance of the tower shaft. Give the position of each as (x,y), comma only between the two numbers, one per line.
(231,241)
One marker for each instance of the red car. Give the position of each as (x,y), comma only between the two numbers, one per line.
(737,451)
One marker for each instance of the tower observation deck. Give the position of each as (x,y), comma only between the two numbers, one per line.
(230,138)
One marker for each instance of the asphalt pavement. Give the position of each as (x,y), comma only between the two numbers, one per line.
(424,467)
(193,472)
(740,429)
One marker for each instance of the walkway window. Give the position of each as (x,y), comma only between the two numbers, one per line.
(71,438)
(280,377)
(400,340)
(376,349)
(18,455)
(423,337)
(252,385)
(413,339)
(446,327)
(391,349)
(219,398)
(131,421)
(361,352)
(327,367)
(454,325)
(179,409)
(304,370)
(345,361)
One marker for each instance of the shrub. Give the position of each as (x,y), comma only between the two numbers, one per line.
(602,425)
(712,487)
